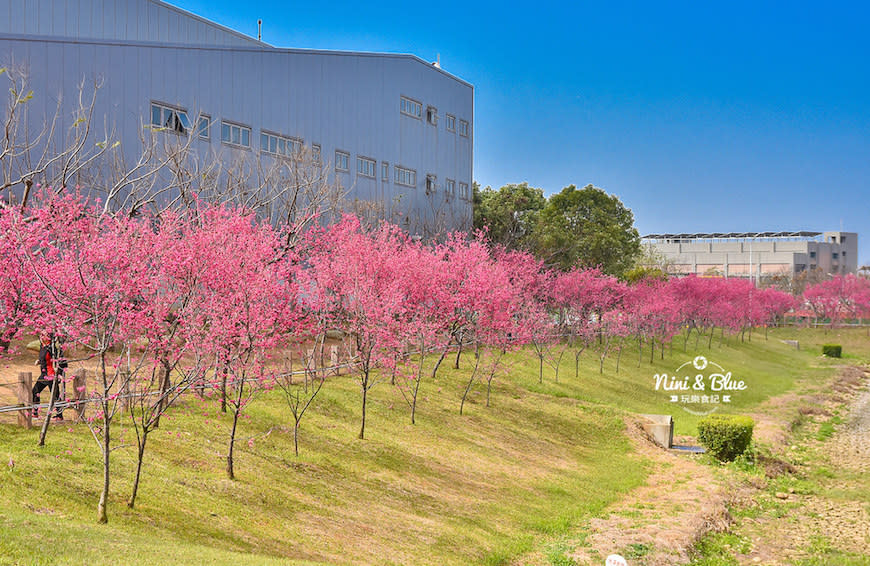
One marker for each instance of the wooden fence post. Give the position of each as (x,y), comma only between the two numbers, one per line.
(25,398)
(311,361)
(124,390)
(333,358)
(79,392)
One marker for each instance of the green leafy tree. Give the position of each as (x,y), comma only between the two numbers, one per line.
(510,213)
(587,227)
(649,264)
(644,273)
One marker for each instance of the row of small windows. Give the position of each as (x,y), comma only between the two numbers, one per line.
(411,107)
(449,187)
(235,134)
(341,160)
(407,177)
(366,167)
(280,145)
(177,120)
(170,118)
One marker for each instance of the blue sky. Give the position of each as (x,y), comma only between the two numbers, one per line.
(700,116)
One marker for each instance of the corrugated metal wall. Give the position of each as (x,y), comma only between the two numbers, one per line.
(122,20)
(342,101)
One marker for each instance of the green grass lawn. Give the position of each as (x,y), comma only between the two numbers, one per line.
(768,366)
(485,487)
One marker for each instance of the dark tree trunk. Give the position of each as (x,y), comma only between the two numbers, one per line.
(458,350)
(102,515)
(470,380)
(577,363)
(47,420)
(296,437)
(438,363)
(236,412)
(365,390)
(141,455)
(224,390)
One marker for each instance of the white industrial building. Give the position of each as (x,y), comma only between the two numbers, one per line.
(756,254)
(391,129)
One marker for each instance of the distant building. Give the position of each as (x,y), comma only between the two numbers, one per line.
(756,254)
(390,128)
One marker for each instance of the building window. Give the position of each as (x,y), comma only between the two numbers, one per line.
(235,134)
(835,255)
(315,152)
(450,188)
(202,126)
(411,107)
(451,123)
(280,145)
(463,128)
(365,167)
(430,184)
(341,161)
(385,172)
(463,191)
(170,119)
(432,115)
(407,177)
(812,254)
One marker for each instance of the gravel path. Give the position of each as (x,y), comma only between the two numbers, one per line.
(835,511)
(849,448)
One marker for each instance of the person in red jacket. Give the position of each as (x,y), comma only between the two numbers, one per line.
(47,373)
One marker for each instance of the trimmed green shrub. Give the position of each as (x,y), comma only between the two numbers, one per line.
(832,350)
(725,436)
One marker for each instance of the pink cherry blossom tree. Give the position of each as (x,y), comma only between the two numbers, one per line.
(585,295)
(247,305)
(300,394)
(423,275)
(654,311)
(839,297)
(352,275)
(91,269)
(502,309)
(16,280)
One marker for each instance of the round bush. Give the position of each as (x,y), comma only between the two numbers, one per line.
(832,350)
(725,436)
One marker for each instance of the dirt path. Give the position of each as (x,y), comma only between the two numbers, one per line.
(654,525)
(662,520)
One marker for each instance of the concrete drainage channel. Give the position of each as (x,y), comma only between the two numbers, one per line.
(660,428)
(688,449)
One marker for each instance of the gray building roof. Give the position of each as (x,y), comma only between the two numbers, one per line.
(729,235)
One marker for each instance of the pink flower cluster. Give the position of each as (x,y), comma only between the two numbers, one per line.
(220,283)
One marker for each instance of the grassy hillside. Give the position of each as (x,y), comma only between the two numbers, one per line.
(479,488)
